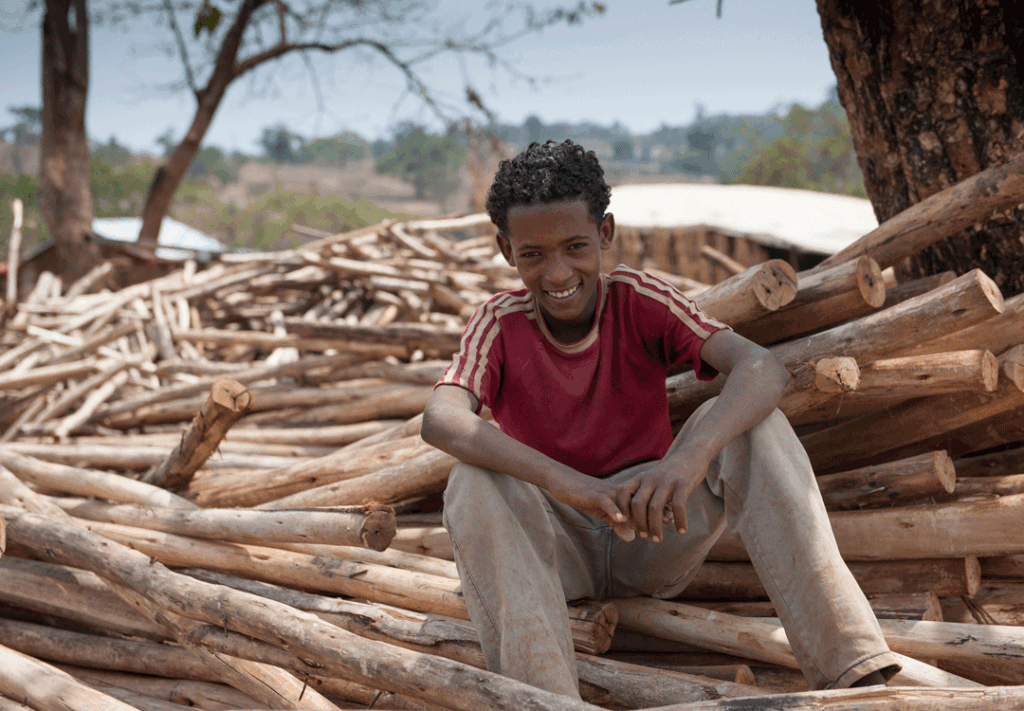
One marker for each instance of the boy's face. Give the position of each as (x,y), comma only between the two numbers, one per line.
(556,248)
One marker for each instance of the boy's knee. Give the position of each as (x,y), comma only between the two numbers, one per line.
(474,491)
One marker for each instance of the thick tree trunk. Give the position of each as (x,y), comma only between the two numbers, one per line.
(934,94)
(65,192)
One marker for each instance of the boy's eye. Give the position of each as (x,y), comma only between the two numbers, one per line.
(577,245)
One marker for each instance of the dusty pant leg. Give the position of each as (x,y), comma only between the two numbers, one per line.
(773,505)
(509,547)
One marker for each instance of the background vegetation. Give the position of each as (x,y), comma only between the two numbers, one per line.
(794,147)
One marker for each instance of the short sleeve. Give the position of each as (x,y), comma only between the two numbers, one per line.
(686,329)
(478,364)
(673,321)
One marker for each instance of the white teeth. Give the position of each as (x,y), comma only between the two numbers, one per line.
(564,294)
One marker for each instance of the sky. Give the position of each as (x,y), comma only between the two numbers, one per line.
(643,63)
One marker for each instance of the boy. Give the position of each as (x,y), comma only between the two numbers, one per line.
(573,370)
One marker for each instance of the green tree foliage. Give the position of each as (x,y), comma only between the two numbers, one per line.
(119,190)
(28,122)
(25,188)
(431,162)
(112,153)
(335,150)
(814,153)
(280,145)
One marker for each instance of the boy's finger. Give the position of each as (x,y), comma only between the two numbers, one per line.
(624,494)
(611,510)
(624,532)
(679,512)
(656,512)
(638,508)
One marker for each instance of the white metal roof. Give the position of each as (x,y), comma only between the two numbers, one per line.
(192,242)
(808,220)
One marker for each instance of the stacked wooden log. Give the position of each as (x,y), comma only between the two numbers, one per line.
(215,496)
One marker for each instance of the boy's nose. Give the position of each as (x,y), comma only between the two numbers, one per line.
(559,272)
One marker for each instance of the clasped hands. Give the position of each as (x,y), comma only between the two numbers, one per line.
(644,503)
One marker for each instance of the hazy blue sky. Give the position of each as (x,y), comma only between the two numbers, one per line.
(643,63)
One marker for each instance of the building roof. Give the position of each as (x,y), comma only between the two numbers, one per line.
(777,217)
(177,241)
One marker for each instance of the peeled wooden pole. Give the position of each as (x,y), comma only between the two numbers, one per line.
(999,333)
(947,577)
(14,255)
(948,211)
(87,482)
(74,595)
(593,624)
(372,527)
(889,483)
(866,438)
(229,401)
(1004,698)
(846,291)
(956,530)
(759,290)
(272,686)
(602,681)
(96,651)
(906,606)
(46,688)
(888,381)
(746,637)
(968,300)
(182,693)
(253,488)
(430,678)
(426,473)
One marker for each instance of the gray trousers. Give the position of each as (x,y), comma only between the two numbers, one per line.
(521,555)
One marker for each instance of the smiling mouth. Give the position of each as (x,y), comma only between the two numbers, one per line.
(564,294)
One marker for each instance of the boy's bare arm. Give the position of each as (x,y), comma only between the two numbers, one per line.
(451,424)
(755,381)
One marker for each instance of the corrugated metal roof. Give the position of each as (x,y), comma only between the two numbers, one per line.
(808,220)
(173,234)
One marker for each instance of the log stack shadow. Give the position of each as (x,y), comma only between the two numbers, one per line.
(213,493)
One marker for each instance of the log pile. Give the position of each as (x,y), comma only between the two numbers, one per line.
(213,493)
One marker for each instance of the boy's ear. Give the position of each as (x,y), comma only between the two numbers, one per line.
(506,248)
(607,230)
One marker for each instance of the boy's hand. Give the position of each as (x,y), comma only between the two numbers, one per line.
(658,495)
(594,497)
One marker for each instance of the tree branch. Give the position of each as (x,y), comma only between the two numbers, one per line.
(415,84)
(182,49)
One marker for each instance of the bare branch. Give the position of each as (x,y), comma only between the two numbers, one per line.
(281,9)
(414,83)
(182,49)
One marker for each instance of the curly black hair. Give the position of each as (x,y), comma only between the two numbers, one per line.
(548,172)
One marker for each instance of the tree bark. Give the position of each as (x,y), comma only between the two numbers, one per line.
(934,95)
(65,190)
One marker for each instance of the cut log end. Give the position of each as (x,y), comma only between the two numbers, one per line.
(1012,365)
(972,574)
(775,284)
(836,375)
(945,470)
(378,530)
(231,395)
(991,290)
(870,281)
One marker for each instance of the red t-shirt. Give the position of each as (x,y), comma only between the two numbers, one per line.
(598,405)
